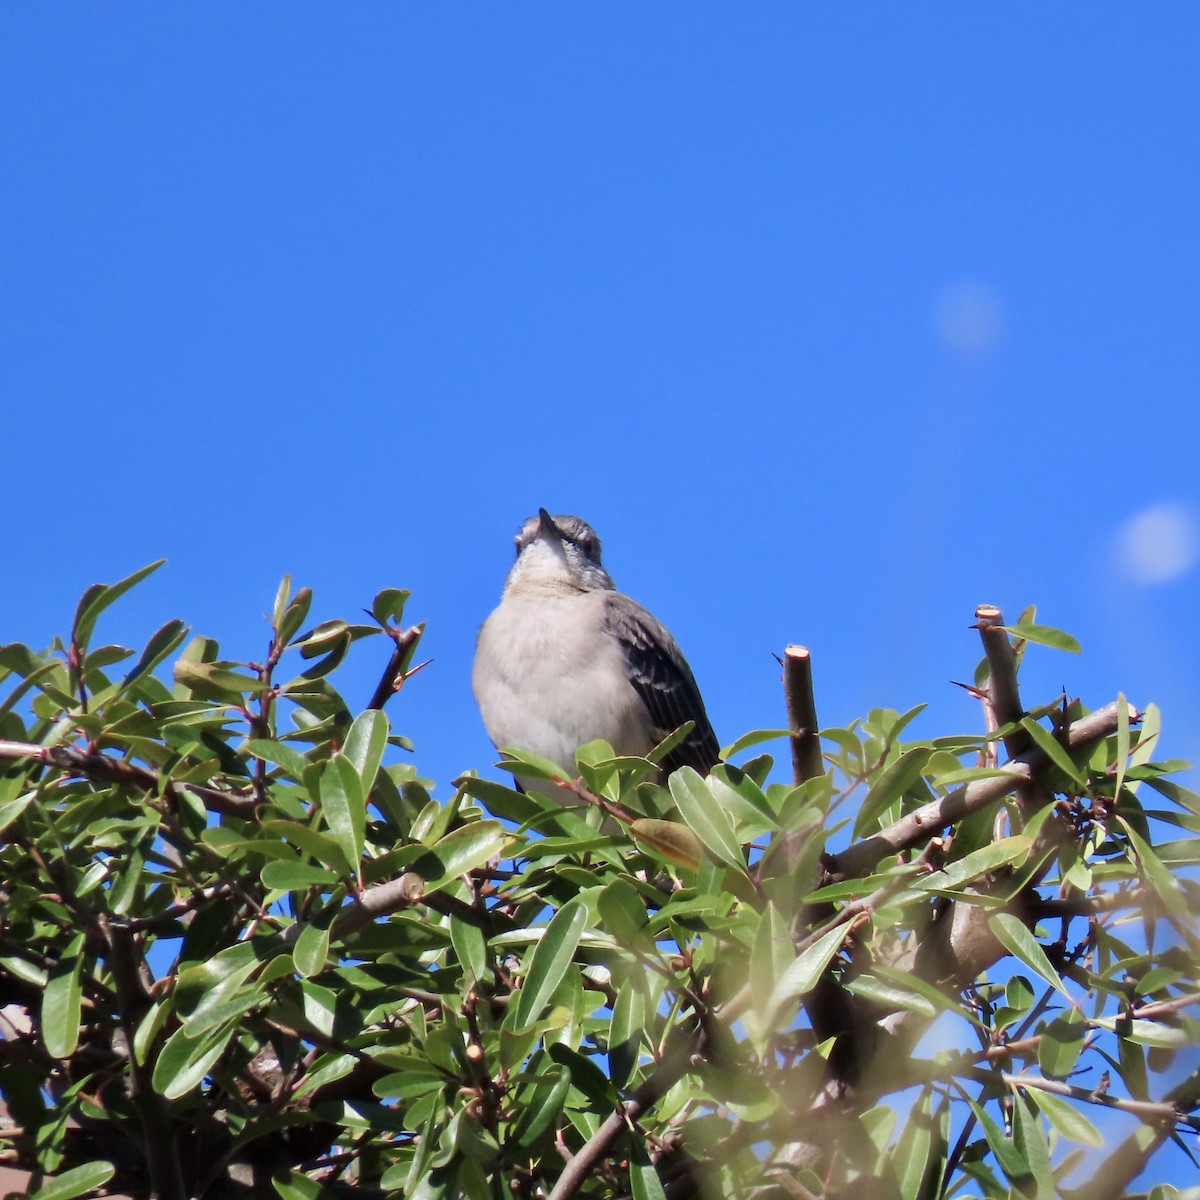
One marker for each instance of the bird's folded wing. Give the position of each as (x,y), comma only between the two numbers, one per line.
(664,681)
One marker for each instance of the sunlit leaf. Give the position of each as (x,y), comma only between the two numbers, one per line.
(549,962)
(1045,635)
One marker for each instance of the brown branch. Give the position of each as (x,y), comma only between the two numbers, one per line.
(802,714)
(930,819)
(106,769)
(1164,1008)
(409,889)
(1003,693)
(379,901)
(669,1071)
(1090,906)
(1147,1109)
(396,671)
(127,962)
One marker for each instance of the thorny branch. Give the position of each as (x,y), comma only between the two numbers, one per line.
(807,762)
(932,818)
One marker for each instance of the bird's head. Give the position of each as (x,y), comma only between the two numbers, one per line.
(560,553)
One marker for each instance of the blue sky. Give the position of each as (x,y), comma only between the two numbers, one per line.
(834,321)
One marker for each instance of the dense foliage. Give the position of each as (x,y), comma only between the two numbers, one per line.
(243,951)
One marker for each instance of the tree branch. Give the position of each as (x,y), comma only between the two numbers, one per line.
(664,1077)
(807,762)
(396,671)
(930,819)
(1146,1109)
(1003,691)
(106,769)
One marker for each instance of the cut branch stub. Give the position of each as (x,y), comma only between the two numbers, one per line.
(802,714)
(1003,691)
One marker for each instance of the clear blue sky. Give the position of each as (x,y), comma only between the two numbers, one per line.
(834,321)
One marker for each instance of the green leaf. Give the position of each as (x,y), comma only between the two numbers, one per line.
(1122,761)
(311,951)
(279,753)
(184,1061)
(293,1185)
(295,876)
(586,1076)
(13,809)
(890,786)
(744,800)
(754,738)
(914,1150)
(1031,1143)
(99,596)
(215,682)
(533,766)
(344,808)
(1053,749)
(1157,876)
(1147,736)
(1045,635)
(76,1181)
(389,605)
(625,1033)
(622,911)
(470,947)
(312,842)
(1011,1161)
(162,643)
(978,862)
(772,952)
(801,977)
(549,962)
(541,1104)
(461,850)
(1065,1117)
(1061,1043)
(644,1182)
(364,747)
(61,1002)
(700,809)
(889,994)
(288,622)
(1015,937)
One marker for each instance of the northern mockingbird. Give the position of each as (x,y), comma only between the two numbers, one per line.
(566,658)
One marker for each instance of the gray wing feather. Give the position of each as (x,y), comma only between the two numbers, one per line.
(662,678)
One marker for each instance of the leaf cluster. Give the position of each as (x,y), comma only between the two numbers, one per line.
(244,951)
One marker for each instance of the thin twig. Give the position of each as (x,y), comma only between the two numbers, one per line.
(396,671)
(1147,1109)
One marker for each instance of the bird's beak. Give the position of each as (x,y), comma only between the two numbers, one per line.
(546,526)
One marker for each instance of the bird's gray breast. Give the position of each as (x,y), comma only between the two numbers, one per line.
(549,676)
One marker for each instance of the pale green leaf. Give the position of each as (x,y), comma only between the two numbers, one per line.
(707,819)
(1015,937)
(1066,1118)
(76,1181)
